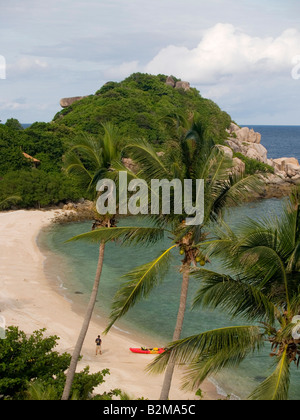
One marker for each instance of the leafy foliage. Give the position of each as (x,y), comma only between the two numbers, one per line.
(25,358)
(127,234)
(208,352)
(142,106)
(139,283)
(253,166)
(264,261)
(38,188)
(138,106)
(276,386)
(14,124)
(31,369)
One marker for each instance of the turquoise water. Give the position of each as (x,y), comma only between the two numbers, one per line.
(73,265)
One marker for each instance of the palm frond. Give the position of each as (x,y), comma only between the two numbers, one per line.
(126,234)
(221,240)
(276,386)
(237,297)
(265,264)
(141,282)
(147,159)
(295,300)
(294,259)
(231,192)
(89,158)
(87,148)
(260,250)
(212,165)
(209,352)
(110,143)
(118,166)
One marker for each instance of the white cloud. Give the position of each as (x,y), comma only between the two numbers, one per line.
(72,47)
(224,51)
(13,106)
(122,71)
(2,67)
(27,64)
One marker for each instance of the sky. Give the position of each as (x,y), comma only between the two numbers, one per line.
(244,55)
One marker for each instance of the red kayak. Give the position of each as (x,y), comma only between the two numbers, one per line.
(144,350)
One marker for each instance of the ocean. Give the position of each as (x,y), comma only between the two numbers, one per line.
(280,140)
(71,267)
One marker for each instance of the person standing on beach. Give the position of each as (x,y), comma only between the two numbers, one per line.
(98,342)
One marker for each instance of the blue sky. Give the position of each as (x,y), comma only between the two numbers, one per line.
(244,55)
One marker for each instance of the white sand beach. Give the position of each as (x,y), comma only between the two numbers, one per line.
(28,300)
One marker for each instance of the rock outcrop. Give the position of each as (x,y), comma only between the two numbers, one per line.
(76,212)
(246,141)
(286,170)
(183,85)
(65,102)
(178,85)
(170,81)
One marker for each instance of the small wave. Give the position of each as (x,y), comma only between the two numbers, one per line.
(119,329)
(61,283)
(222,392)
(67,299)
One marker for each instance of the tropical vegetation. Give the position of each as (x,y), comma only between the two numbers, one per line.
(137,106)
(30,368)
(166,133)
(263,258)
(89,159)
(141,106)
(195,156)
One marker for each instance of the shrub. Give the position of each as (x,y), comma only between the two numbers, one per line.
(31,369)
(253,166)
(38,188)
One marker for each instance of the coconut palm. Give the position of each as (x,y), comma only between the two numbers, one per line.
(194,157)
(90,159)
(264,260)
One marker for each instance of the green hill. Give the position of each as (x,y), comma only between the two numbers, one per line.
(141,106)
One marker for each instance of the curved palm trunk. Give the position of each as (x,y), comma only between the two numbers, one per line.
(177,332)
(85,326)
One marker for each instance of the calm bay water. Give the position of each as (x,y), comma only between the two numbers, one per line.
(73,266)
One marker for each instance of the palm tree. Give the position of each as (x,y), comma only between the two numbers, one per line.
(89,160)
(195,157)
(264,259)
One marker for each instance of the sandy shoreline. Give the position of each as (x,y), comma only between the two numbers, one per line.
(28,300)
